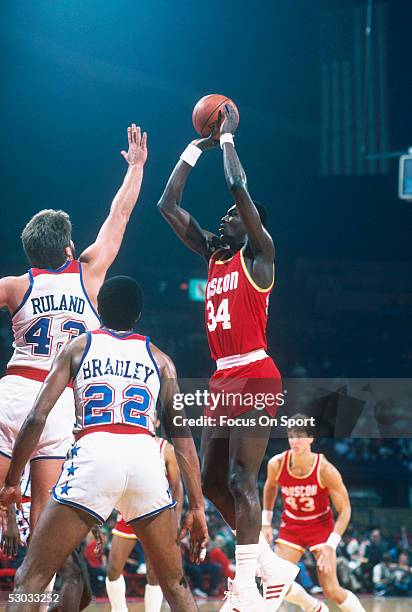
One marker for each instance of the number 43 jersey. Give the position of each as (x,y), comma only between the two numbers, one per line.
(117,384)
(54,309)
(235,308)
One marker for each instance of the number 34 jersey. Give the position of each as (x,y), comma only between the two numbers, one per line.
(235,308)
(117,384)
(54,309)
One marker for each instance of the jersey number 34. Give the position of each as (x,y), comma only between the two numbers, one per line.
(222,315)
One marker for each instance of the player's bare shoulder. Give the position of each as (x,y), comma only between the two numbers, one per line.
(13,290)
(275,464)
(329,475)
(164,363)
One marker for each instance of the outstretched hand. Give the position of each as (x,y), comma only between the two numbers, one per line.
(230,120)
(195,523)
(137,152)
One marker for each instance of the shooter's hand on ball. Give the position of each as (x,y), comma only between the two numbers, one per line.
(326,559)
(230,121)
(195,523)
(210,142)
(137,153)
(8,496)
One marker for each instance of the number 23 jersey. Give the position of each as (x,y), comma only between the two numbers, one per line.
(54,309)
(235,308)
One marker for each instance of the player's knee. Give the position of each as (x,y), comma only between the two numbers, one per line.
(33,582)
(174,586)
(241,484)
(212,487)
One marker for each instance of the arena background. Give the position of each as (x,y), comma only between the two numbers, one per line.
(75,74)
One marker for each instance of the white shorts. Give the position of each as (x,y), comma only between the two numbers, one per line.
(106,470)
(17,396)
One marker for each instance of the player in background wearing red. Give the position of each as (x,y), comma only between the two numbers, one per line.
(54,301)
(118,376)
(124,540)
(241,275)
(308,483)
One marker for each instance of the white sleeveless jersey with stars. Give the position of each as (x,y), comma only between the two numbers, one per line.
(117,384)
(55,308)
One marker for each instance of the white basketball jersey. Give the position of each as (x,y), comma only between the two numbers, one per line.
(54,309)
(117,384)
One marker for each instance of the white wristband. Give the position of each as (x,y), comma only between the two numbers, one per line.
(191,154)
(267,516)
(226,138)
(333,540)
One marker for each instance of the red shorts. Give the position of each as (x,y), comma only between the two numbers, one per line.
(243,388)
(123,530)
(307,534)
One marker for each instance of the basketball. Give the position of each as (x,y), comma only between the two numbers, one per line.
(206,112)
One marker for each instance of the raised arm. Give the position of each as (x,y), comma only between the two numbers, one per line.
(270,492)
(100,255)
(331,478)
(180,220)
(185,451)
(259,240)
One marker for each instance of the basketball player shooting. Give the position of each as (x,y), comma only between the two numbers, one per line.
(308,482)
(115,462)
(53,302)
(240,279)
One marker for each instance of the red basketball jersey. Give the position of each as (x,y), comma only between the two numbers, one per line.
(235,308)
(304,498)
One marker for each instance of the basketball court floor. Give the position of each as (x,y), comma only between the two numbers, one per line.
(370,604)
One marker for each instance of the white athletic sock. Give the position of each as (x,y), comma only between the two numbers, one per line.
(351,603)
(246,561)
(116,592)
(299,597)
(153,598)
(266,554)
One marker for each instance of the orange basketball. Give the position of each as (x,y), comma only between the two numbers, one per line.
(206,112)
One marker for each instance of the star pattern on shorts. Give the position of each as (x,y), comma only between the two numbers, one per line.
(71,470)
(75,450)
(65,489)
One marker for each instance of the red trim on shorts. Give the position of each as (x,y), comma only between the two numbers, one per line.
(25,499)
(116,428)
(31,373)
